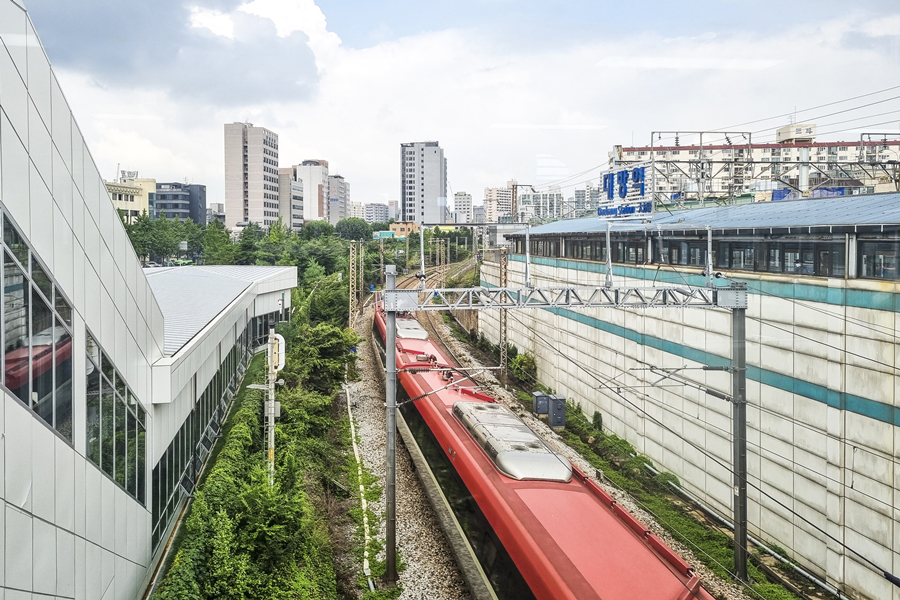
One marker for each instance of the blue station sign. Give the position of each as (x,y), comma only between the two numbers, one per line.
(628,193)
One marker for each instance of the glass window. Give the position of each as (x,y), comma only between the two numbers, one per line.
(878,260)
(141,458)
(121,437)
(15,325)
(40,278)
(92,442)
(41,357)
(63,309)
(107,427)
(131,454)
(14,241)
(63,377)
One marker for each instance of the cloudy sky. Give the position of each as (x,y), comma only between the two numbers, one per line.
(525,89)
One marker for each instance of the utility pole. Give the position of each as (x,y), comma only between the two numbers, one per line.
(391,418)
(739,436)
(362,272)
(515,201)
(504,283)
(422,252)
(275,359)
(353,283)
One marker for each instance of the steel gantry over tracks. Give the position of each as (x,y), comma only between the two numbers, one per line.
(732,297)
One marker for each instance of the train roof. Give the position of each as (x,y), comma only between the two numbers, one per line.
(512,446)
(839,211)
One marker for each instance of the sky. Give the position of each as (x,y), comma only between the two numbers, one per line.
(531,90)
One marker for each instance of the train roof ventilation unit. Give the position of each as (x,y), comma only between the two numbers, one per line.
(410,329)
(513,447)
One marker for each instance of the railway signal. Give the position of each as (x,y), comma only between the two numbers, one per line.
(733,297)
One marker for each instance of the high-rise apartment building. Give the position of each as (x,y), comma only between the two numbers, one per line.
(251,175)
(462,204)
(314,175)
(497,203)
(423,182)
(357,210)
(377,213)
(290,198)
(338,198)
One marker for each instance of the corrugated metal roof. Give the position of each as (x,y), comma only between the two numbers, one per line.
(875,209)
(191,297)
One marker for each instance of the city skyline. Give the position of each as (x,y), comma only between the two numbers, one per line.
(512,121)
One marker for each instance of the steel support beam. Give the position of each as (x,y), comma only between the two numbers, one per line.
(390,391)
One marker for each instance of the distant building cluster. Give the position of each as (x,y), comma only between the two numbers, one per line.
(133,196)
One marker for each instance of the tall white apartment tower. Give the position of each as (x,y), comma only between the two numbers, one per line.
(423,182)
(462,205)
(314,175)
(497,203)
(251,175)
(338,198)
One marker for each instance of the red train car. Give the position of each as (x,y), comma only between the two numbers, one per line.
(538,526)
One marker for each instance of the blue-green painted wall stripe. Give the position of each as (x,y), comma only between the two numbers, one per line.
(792,291)
(866,407)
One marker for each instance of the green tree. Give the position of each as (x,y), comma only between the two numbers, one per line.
(379,226)
(140,233)
(316,229)
(353,228)
(248,243)
(217,247)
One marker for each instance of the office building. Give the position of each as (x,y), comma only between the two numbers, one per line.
(290,198)
(377,213)
(251,175)
(181,201)
(338,198)
(215,211)
(392,210)
(127,198)
(423,182)
(478,214)
(462,204)
(115,378)
(314,175)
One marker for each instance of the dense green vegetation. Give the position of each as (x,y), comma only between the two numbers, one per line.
(318,242)
(243,538)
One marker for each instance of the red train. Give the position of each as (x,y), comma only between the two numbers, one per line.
(538,526)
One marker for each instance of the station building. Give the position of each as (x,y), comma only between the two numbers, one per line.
(822,383)
(115,379)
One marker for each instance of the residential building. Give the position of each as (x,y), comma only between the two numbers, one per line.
(251,175)
(314,175)
(182,201)
(377,213)
(290,198)
(338,198)
(403,228)
(357,210)
(462,204)
(727,169)
(127,199)
(544,205)
(423,182)
(497,203)
(215,211)
(116,377)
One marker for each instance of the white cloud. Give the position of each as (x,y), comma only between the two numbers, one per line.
(218,23)
(687,62)
(494,110)
(299,15)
